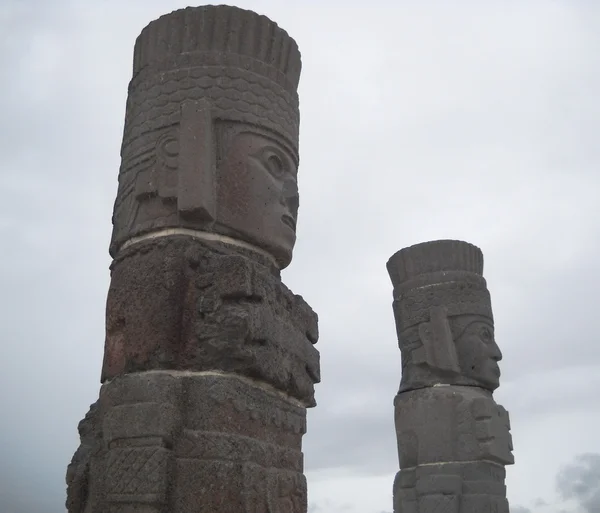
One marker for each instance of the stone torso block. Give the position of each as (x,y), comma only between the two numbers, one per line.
(450,424)
(199,306)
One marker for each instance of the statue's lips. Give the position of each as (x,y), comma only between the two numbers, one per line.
(289,221)
(496,370)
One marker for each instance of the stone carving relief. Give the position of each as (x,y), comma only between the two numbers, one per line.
(233,315)
(451,488)
(445,324)
(137,474)
(211,139)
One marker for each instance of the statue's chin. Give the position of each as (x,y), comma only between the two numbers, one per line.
(283,255)
(279,245)
(275,237)
(489,383)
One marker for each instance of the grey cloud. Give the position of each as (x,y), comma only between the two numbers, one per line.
(417,123)
(520,509)
(580,481)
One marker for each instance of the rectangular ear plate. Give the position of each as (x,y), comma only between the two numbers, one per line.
(197,186)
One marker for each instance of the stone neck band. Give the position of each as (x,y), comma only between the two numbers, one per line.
(201,235)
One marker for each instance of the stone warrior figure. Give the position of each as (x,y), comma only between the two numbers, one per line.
(209,361)
(453,439)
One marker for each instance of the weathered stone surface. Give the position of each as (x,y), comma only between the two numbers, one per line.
(78,471)
(475,487)
(229,405)
(173,441)
(242,487)
(138,474)
(243,444)
(211,130)
(209,360)
(453,439)
(451,423)
(145,420)
(194,305)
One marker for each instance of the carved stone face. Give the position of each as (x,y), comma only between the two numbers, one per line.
(257,193)
(477,351)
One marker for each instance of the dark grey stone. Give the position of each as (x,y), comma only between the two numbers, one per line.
(473,487)
(191,305)
(217,443)
(453,439)
(137,474)
(78,471)
(248,434)
(229,405)
(444,316)
(209,361)
(211,130)
(141,420)
(451,423)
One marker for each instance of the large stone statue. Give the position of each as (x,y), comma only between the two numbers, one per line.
(453,439)
(209,361)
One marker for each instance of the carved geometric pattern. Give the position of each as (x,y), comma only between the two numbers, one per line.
(235,94)
(451,488)
(414,307)
(227,447)
(273,491)
(439,504)
(492,429)
(139,471)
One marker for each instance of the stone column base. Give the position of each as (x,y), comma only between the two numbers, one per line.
(180,442)
(466,487)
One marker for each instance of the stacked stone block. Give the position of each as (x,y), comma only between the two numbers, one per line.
(209,361)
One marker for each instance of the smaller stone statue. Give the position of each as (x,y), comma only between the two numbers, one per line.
(453,439)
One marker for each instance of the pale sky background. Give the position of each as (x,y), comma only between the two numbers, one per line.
(476,120)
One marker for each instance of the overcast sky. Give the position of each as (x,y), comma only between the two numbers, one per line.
(420,120)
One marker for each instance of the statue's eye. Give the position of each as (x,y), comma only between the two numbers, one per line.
(274,161)
(486,335)
(275,165)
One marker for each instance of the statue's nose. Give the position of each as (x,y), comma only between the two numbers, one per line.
(496,353)
(290,196)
